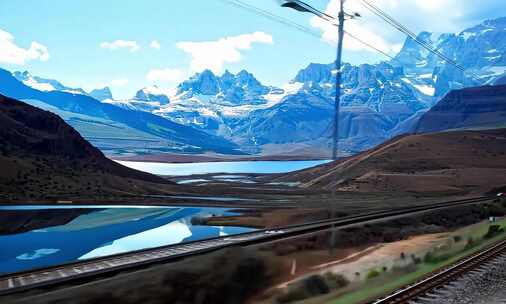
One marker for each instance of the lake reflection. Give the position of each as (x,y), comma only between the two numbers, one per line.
(37,236)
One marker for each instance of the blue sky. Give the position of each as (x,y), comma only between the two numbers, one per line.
(130,44)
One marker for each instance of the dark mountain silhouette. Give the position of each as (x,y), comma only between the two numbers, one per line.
(40,153)
(478,107)
(501,81)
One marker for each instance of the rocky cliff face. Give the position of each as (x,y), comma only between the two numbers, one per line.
(479,49)
(242,88)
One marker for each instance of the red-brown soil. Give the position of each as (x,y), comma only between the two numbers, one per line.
(439,163)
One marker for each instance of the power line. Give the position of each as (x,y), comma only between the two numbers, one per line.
(390,20)
(300,27)
(369,45)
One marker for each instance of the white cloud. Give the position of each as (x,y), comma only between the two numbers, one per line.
(329,34)
(121,82)
(165,75)
(10,53)
(120,44)
(214,54)
(155,45)
(437,16)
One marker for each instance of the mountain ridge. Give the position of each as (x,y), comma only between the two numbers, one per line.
(389,95)
(181,136)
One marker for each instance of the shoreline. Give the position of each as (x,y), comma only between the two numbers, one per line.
(203,158)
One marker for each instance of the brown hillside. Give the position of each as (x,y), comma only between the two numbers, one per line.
(41,155)
(438,163)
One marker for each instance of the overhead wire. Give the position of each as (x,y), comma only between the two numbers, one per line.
(399,26)
(300,27)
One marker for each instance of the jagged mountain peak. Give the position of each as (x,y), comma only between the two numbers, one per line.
(227,74)
(245,75)
(234,88)
(101,94)
(204,83)
(19,74)
(153,93)
(494,23)
(315,72)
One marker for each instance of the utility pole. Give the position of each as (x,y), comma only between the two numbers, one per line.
(304,7)
(335,143)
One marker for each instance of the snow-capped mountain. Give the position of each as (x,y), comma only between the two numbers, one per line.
(479,49)
(101,94)
(44,84)
(152,94)
(117,129)
(207,101)
(379,100)
(228,89)
(375,99)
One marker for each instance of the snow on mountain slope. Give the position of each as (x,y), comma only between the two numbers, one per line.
(379,100)
(44,84)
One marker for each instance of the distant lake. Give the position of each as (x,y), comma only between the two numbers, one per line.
(223,167)
(38,236)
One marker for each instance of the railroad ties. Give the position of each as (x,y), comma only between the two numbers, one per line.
(425,290)
(11,283)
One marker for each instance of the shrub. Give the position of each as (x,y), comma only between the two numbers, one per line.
(314,285)
(470,243)
(336,280)
(431,257)
(405,268)
(416,260)
(493,230)
(372,274)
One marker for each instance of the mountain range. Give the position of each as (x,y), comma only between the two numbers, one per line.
(111,127)
(228,112)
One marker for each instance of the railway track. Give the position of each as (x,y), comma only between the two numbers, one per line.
(446,275)
(108,265)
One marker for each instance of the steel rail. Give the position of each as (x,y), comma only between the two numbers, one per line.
(443,276)
(53,275)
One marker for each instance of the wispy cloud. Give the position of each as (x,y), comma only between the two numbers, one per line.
(165,75)
(214,54)
(133,46)
(120,82)
(11,53)
(155,45)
